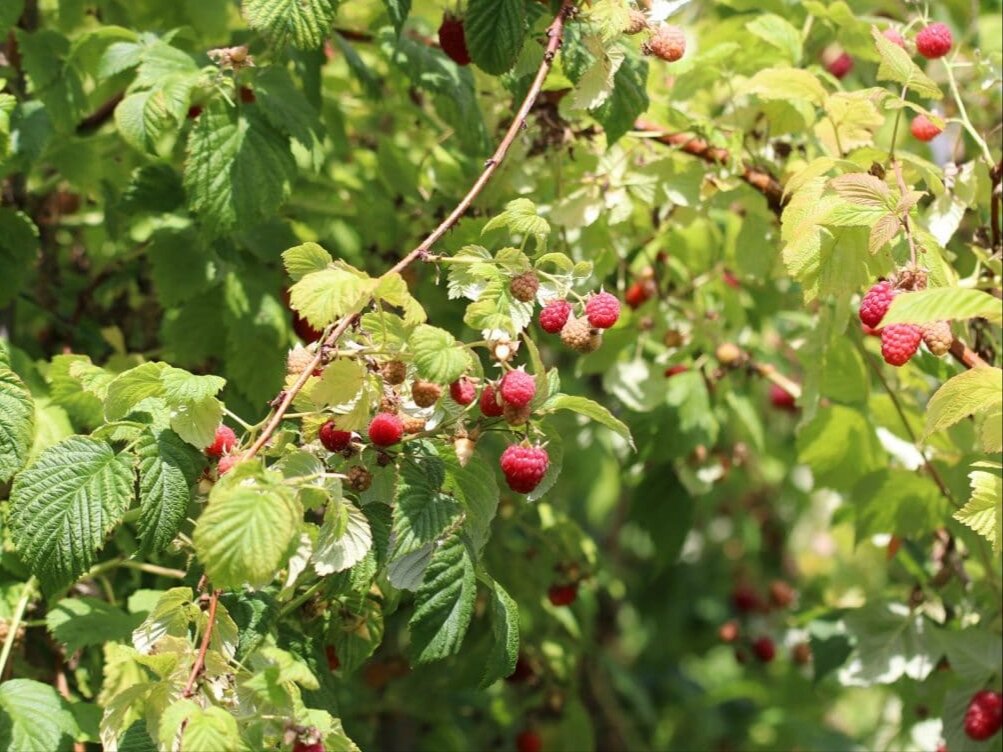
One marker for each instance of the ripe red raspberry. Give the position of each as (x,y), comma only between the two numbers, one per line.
(247,95)
(523,671)
(453,40)
(524,467)
(675,370)
(301,746)
(333,439)
(333,662)
(984,715)
(899,342)
(934,41)
(528,741)
(224,441)
(840,65)
(875,303)
(463,391)
(667,42)
(518,388)
(745,599)
(781,399)
(563,595)
(764,649)
(602,310)
(491,406)
(638,293)
(524,286)
(894,36)
(923,129)
(385,429)
(554,316)
(425,393)
(226,463)
(938,337)
(304,330)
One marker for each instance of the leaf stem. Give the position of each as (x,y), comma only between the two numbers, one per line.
(965,121)
(26,592)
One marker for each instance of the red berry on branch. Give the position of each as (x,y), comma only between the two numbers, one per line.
(301,746)
(333,439)
(554,316)
(876,302)
(934,41)
(463,391)
(602,310)
(518,388)
(562,595)
(491,406)
(781,399)
(524,467)
(453,40)
(924,129)
(638,293)
(385,429)
(675,370)
(899,342)
(729,631)
(984,716)
(840,65)
(226,463)
(224,440)
(764,649)
(731,280)
(528,741)
(745,599)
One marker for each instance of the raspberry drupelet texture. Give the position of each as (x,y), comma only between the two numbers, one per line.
(226,463)
(602,310)
(984,715)
(579,335)
(765,649)
(491,406)
(554,316)
(875,303)
(524,467)
(463,391)
(385,429)
(333,439)
(934,41)
(524,286)
(425,393)
(223,442)
(668,43)
(518,388)
(899,342)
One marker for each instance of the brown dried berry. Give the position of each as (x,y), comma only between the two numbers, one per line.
(579,335)
(938,337)
(636,23)
(394,372)
(359,479)
(516,416)
(413,425)
(425,393)
(667,42)
(524,286)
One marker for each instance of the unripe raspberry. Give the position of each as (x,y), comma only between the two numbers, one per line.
(224,441)
(840,65)
(516,415)
(385,429)
(781,594)
(554,316)
(463,391)
(524,467)
(764,649)
(491,406)
(912,278)
(524,286)
(636,22)
(875,303)
(394,372)
(938,337)
(602,310)
(675,370)
(934,41)
(413,425)
(333,439)
(781,399)
(667,42)
(389,403)
(453,40)
(894,36)
(899,342)
(923,129)
(580,336)
(464,448)
(729,631)
(425,393)
(673,338)
(984,715)
(729,354)
(517,388)
(801,653)
(639,293)
(298,360)
(563,595)
(359,479)
(226,463)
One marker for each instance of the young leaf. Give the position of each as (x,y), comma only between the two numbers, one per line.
(984,511)
(168,468)
(973,391)
(437,354)
(64,505)
(304,259)
(302,23)
(941,304)
(339,383)
(18,425)
(324,296)
(898,66)
(213,728)
(505,634)
(444,603)
(33,718)
(398,11)
(495,30)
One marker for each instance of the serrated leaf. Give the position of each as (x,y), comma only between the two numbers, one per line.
(779,33)
(339,383)
(304,259)
(196,422)
(898,502)
(863,189)
(131,387)
(407,572)
(18,249)
(437,355)
(882,232)
(244,534)
(983,512)
(173,612)
(212,728)
(974,653)
(597,83)
(942,304)
(520,217)
(476,488)
(81,622)
(444,603)
(325,296)
(973,391)
(33,718)
(505,635)
(168,468)
(64,505)
(590,409)
(892,641)
(896,65)
(393,290)
(494,32)
(422,512)
(786,84)
(302,23)
(17,428)
(341,544)
(628,101)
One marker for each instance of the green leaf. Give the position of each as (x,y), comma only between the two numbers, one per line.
(778,32)
(64,505)
(983,512)
(973,653)
(244,534)
(892,641)
(393,290)
(505,637)
(18,249)
(213,728)
(476,488)
(302,23)
(628,100)
(494,31)
(437,354)
(342,541)
(590,409)
(898,502)
(398,11)
(976,390)
(33,718)
(81,622)
(444,603)
(840,446)
(897,65)
(941,304)
(323,297)
(196,422)
(304,259)
(339,383)
(171,616)
(422,512)
(286,107)
(131,387)
(168,468)
(17,428)
(520,217)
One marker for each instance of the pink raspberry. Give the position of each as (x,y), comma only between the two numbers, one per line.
(333,439)
(224,441)
(385,429)
(934,41)
(893,36)
(899,342)
(524,467)
(840,65)
(984,716)
(602,310)
(923,129)
(463,391)
(491,406)
(875,303)
(781,399)
(554,316)
(518,388)
(226,463)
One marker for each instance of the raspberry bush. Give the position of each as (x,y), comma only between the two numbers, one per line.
(517,374)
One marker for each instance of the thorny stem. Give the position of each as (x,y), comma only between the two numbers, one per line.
(26,592)
(555,34)
(204,647)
